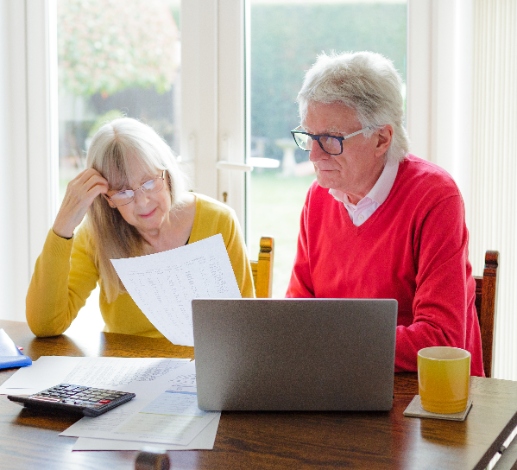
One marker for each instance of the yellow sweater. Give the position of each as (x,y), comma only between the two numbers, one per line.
(65,274)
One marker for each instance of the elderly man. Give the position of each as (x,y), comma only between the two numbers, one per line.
(380,222)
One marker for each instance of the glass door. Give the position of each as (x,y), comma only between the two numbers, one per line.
(285,38)
(115,59)
(124,58)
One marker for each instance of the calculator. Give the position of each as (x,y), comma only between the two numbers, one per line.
(88,401)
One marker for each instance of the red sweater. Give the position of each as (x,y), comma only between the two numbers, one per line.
(414,248)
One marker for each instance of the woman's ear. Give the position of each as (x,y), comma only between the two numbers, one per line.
(113,206)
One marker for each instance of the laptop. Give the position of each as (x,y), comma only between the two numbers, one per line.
(294,354)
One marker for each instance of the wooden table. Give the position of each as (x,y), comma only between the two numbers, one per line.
(299,440)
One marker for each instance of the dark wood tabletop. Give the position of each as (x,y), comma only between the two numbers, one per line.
(267,440)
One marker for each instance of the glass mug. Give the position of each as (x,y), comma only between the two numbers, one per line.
(443,379)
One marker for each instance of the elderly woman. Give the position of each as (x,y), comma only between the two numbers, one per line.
(137,204)
(380,222)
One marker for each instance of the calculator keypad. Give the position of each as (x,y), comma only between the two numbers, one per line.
(89,401)
(78,395)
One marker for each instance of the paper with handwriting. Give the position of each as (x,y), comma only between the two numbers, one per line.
(164,284)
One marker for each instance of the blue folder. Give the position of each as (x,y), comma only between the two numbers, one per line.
(10,355)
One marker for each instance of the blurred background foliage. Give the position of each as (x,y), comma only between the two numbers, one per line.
(115,58)
(124,56)
(100,46)
(287,38)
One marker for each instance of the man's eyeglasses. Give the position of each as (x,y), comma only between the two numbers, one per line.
(126,196)
(331,144)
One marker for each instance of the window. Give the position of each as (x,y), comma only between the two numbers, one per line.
(213,52)
(115,59)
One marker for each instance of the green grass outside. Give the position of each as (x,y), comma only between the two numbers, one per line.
(275,205)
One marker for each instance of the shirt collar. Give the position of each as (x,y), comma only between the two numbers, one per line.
(380,190)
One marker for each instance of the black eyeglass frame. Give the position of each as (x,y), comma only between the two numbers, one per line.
(317,138)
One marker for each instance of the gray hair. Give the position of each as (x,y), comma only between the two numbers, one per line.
(113,146)
(125,139)
(364,81)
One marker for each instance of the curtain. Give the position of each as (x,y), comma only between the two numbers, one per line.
(492,207)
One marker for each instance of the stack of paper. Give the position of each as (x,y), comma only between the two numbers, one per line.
(164,411)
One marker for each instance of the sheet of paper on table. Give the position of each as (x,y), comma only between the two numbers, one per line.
(108,372)
(164,284)
(203,441)
(169,417)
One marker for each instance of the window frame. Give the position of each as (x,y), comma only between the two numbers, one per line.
(211,132)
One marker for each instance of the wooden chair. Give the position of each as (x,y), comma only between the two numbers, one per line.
(263,268)
(486,291)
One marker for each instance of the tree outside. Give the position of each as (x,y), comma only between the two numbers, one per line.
(115,57)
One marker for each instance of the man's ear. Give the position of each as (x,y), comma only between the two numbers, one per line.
(385,135)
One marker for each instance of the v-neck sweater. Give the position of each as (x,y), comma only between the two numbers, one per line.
(414,248)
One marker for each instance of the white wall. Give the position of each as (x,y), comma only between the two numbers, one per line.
(14,234)
(26,173)
(439,94)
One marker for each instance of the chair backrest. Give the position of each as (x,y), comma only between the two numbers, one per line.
(263,268)
(486,291)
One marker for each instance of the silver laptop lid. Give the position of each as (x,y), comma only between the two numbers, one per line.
(294,354)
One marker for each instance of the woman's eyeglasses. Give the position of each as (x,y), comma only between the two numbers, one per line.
(126,196)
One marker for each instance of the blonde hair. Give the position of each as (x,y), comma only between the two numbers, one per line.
(114,145)
(364,81)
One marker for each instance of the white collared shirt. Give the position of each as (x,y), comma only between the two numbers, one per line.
(362,211)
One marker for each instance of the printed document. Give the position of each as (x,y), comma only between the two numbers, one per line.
(119,373)
(204,440)
(170,416)
(164,284)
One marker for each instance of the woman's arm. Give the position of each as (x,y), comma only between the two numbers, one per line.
(63,278)
(64,274)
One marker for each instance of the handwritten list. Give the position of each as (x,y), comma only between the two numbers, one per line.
(164,284)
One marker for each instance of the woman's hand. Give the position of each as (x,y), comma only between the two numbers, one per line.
(80,193)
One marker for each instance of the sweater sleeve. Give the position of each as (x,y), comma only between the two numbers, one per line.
(63,278)
(300,283)
(444,288)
